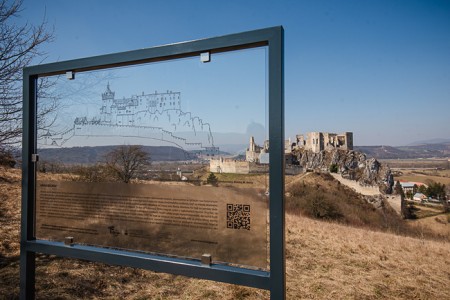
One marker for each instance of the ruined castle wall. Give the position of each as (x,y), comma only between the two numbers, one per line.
(314,141)
(300,140)
(240,167)
(258,168)
(236,166)
(214,165)
(229,166)
(318,141)
(252,156)
(349,140)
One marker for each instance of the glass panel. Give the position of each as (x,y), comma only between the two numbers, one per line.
(167,158)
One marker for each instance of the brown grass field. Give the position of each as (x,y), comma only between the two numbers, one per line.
(325,260)
(411,175)
(420,170)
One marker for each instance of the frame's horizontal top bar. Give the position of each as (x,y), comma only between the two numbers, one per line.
(216,272)
(224,43)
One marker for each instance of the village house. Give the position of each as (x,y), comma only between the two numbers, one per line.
(419,197)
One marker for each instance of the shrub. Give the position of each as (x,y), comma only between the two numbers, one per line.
(321,207)
(313,201)
(212,179)
(446,206)
(95,173)
(7,158)
(334,168)
(51,167)
(435,190)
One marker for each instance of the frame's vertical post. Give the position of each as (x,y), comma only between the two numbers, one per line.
(27,274)
(27,258)
(277,165)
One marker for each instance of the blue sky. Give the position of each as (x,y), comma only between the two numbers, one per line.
(378,68)
(228,93)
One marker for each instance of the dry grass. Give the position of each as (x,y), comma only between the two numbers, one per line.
(439,224)
(332,261)
(322,197)
(324,261)
(408,176)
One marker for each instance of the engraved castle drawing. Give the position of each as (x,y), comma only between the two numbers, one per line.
(155,118)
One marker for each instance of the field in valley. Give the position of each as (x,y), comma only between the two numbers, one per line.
(420,170)
(424,176)
(325,260)
(442,163)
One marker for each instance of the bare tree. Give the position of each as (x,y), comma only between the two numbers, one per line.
(126,161)
(19,45)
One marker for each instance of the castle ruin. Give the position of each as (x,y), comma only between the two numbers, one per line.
(256,160)
(257,157)
(319,141)
(257,153)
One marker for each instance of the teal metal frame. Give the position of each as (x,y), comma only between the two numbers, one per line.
(274,279)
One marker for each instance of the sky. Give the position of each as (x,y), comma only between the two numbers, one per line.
(380,69)
(207,95)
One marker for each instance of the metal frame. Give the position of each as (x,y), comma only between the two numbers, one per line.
(273,280)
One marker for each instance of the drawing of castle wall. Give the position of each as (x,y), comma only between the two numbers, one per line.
(123,111)
(319,141)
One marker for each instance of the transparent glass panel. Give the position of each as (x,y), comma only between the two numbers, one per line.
(168,158)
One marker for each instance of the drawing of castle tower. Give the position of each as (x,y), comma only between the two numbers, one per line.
(107,103)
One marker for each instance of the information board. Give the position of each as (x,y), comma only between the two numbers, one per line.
(169,159)
(188,221)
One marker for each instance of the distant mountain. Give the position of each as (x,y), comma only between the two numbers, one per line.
(438,150)
(430,141)
(381,151)
(89,155)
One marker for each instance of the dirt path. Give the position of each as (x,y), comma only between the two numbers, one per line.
(364,190)
(296,179)
(394,201)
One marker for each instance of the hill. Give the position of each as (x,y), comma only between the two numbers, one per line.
(382,152)
(89,155)
(325,260)
(428,150)
(434,150)
(320,196)
(430,141)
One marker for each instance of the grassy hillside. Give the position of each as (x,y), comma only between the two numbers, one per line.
(320,196)
(325,260)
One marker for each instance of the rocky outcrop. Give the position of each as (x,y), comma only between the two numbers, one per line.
(350,164)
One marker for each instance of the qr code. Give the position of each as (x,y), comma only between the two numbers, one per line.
(238,216)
